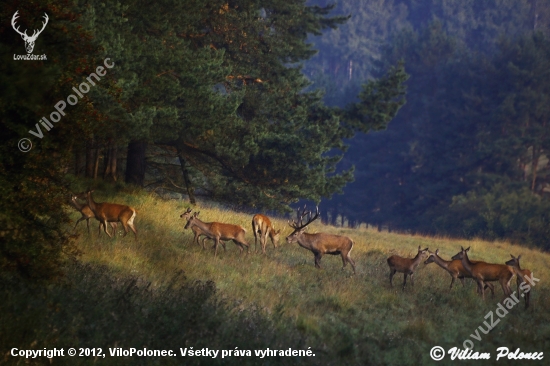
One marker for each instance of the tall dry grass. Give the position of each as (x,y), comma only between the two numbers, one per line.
(344,317)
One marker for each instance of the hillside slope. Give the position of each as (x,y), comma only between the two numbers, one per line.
(342,317)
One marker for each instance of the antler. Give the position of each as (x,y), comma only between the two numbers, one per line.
(15,16)
(298,225)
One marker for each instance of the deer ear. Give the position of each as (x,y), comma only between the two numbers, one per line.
(519,256)
(437,251)
(419,248)
(467,249)
(425,249)
(511,255)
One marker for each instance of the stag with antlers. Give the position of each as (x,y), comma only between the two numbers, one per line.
(29,40)
(320,243)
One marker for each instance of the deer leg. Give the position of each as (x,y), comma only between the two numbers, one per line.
(404,280)
(412,279)
(392,273)
(351,262)
(133,229)
(238,244)
(217,241)
(481,286)
(263,242)
(77,221)
(452,281)
(527,296)
(104,223)
(125,225)
(461,280)
(318,256)
(114,225)
(256,240)
(491,287)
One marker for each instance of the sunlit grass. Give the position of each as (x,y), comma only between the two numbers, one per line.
(349,315)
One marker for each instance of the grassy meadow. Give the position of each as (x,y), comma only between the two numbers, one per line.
(165,292)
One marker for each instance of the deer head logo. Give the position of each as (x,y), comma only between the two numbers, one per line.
(29,41)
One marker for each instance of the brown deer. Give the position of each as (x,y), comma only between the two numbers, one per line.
(261,225)
(197,231)
(520,277)
(86,212)
(483,272)
(455,269)
(407,266)
(219,231)
(112,212)
(320,243)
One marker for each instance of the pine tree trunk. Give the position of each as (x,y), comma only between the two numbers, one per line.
(90,158)
(535,166)
(186,179)
(135,163)
(78,160)
(96,163)
(110,172)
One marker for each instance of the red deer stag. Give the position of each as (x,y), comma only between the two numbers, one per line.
(261,225)
(407,266)
(455,269)
(320,243)
(520,277)
(219,231)
(112,212)
(483,272)
(86,212)
(197,231)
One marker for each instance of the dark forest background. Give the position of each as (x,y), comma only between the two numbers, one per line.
(466,156)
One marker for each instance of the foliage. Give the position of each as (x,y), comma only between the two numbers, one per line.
(32,213)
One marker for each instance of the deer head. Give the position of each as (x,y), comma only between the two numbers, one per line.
(29,40)
(298,225)
(187,214)
(191,219)
(463,252)
(431,257)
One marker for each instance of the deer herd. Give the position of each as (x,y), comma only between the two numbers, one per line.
(460,266)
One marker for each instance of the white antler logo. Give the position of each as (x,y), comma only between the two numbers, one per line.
(29,41)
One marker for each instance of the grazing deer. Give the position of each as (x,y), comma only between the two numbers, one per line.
(455,269)
(407,266)
(86,212)
(261,225)
(112,212)
(219,231)
(320,243)
(197,231)
(520,277)
(483,272)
